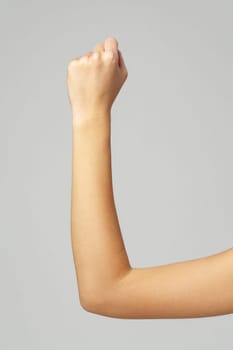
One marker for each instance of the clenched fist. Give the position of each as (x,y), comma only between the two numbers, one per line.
(95,79)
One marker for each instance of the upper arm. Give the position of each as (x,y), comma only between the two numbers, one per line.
(194,288)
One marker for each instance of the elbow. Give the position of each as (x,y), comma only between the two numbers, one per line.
(93,302)
(92,307)
(86,306)
(107,301)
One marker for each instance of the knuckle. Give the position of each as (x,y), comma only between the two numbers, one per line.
(74,63)
(109,56)
(83,59)
(71,64)
(98,45)
(95,58)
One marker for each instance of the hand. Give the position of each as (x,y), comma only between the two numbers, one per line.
(95,79)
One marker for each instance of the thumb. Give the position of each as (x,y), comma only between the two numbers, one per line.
(121,62)
(111,44)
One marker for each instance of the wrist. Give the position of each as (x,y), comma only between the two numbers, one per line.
(92,124)
(89,118)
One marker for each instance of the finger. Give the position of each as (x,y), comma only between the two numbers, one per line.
(99,47)
(89,53)
(111,44)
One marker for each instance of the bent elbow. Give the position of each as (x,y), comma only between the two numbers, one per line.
(93,302)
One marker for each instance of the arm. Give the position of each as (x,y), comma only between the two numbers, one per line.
(98,249)
(107,284)
(194,288)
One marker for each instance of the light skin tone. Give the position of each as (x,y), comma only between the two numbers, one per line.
(107,283)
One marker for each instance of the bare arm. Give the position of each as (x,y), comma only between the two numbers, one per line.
(99,253)
(107,284)
(194,288)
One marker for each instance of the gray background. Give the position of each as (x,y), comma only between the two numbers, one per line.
(171,153)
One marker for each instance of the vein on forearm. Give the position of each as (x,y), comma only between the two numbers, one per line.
(98,248)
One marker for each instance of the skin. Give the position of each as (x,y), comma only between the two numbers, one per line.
(107,283)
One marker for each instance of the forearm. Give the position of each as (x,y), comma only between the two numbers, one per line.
(98,249)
